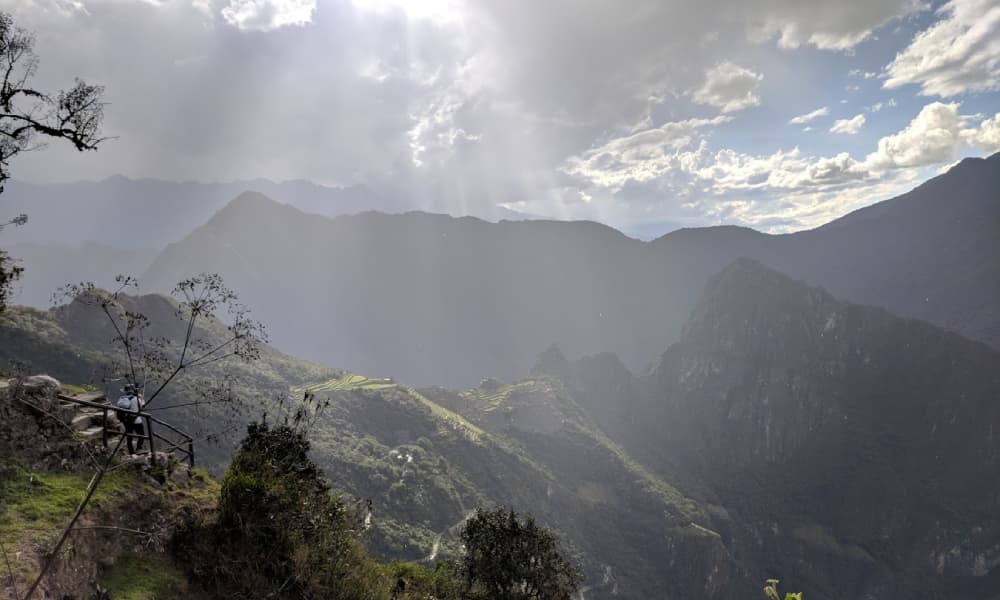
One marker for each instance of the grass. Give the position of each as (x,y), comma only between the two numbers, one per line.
(443,413)
(705,530)
(34,502)
(144,577)
(490,400)
(76,390)
(351,382)
(348,382)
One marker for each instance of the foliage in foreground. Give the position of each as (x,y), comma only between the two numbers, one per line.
(510,558)
(771,591)
(280,532)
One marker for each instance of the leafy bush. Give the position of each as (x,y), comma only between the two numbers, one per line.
(771,591)
(510,558)
(282,533)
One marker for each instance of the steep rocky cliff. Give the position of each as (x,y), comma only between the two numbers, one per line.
(856,449)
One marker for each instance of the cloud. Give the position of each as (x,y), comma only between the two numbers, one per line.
(934,136)
(639,157)
(729,87)
(848,126)
(569,109)
(819,112)
(986,137)
(890,103)
(959,53)
(782,190)
(828,26)
(265,15)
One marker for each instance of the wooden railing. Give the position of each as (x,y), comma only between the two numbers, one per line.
(180,443)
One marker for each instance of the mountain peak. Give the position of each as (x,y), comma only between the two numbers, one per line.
(253,199)
(747,279)
(251,205)
(747,300)
(552,362)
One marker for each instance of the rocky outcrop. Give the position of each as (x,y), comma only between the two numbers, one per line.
(836,435)
(36,426)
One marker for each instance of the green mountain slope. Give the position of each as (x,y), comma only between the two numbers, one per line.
(427,458)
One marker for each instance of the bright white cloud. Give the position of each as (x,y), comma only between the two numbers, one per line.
(640,157)
(934,136)
(959,53)
(848,126)
(987,136)
(265,15)
(786,189)
(809,116)
(729,87)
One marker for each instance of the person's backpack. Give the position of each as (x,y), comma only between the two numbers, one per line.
(124,412)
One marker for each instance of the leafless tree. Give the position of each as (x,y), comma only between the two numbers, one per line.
(160,360)
(151,361)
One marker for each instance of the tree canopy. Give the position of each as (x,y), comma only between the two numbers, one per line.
(513,558)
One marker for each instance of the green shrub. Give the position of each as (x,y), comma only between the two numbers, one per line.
(771,591)
(510,558)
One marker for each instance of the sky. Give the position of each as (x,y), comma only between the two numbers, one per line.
(646,115)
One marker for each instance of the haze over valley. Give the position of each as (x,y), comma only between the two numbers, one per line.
(374,300)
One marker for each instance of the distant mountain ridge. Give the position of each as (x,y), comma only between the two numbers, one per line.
(432,299)
(150,213)
(51,266)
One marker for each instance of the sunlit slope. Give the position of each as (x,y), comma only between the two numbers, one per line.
(425,463)
(425,466)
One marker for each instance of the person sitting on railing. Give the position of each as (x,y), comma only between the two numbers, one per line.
(128,405)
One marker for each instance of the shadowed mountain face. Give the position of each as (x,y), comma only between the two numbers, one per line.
(849,446)
(437,300)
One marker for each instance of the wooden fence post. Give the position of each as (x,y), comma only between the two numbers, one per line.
(149,433)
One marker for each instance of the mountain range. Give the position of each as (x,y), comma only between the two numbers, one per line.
(149,213)
(432,299)
(785,434)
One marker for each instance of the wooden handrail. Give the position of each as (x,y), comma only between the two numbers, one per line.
(82,402)
(187,440)
(167,425)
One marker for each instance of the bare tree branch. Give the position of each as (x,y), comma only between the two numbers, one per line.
(95,481)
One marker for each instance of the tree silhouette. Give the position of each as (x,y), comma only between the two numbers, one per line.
(29,117)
